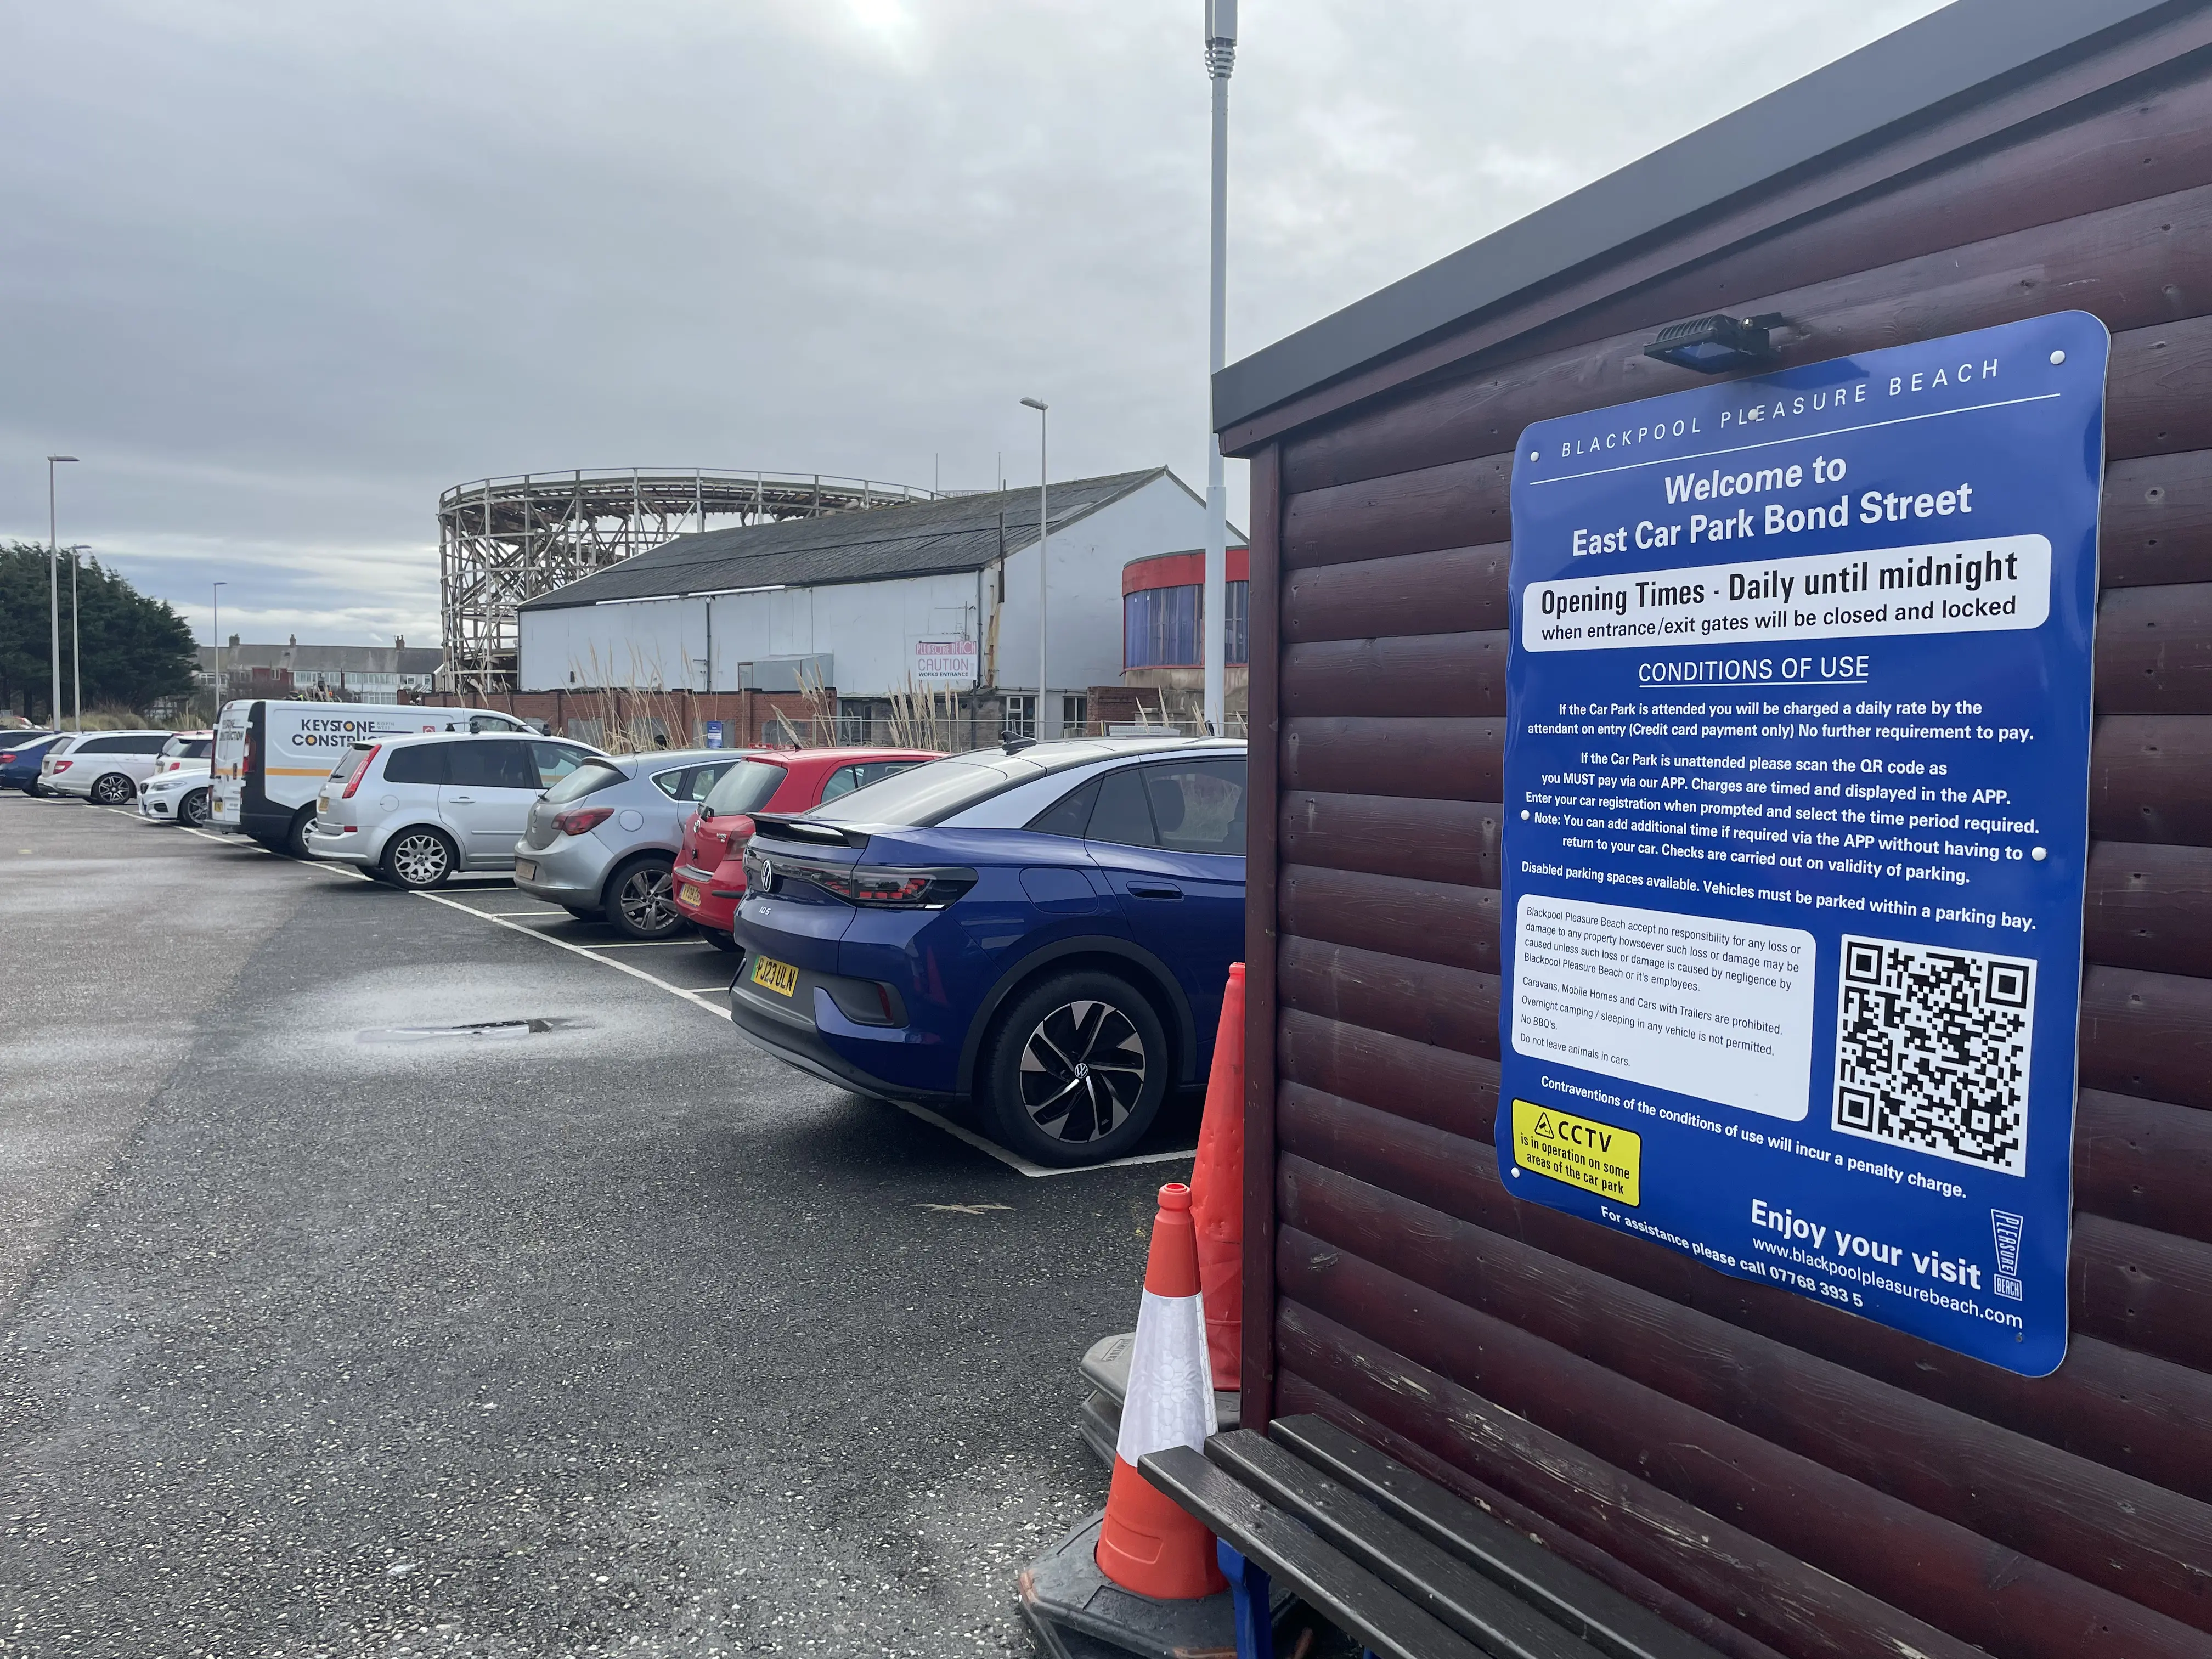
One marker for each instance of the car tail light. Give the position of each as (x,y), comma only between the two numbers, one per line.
(360,771)
(581,820)
(923,889)
(61,766)
(6,757)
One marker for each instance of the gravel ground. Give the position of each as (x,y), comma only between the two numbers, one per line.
(616,1338)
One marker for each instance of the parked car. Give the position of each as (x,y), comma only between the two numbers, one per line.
(19,755)
(186,751)
(710,872)
(105,768)
(600,842)
(179,796)
(271,757)
(1042,933)
(415,810)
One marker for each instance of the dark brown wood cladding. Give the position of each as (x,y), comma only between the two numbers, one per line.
(2155,524)
(1425,1001)
(1764,1470)
(2145,1161)
(1440,758)
(1391,836)
(2068,1512)
(2142,1288)
(1915,1560)
(2155,531)
(2146,1034)
(2119,1406)
(2155,650)
(2148,908)
(1428,921)
(1263,859)
(1450,590)
(1450,674)
(2149,411)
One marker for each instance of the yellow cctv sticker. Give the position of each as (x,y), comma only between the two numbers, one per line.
(1596,1156)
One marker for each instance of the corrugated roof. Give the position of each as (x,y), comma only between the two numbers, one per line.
(961,532)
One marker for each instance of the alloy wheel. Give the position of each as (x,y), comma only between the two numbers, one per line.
(112,790)
(1082,1070)
(192,811)
(419,859)
(647,901)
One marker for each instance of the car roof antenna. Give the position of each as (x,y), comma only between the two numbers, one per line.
(1013,742)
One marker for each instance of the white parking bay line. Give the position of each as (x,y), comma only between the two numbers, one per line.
(693,998)
(1015,1161)
(698,1000)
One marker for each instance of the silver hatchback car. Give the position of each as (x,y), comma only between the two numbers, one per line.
(601,842)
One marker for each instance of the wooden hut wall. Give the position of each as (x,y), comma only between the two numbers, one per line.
(1778,1476)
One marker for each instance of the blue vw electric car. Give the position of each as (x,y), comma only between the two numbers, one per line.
(1043,931)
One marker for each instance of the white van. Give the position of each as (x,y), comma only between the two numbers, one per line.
(271,757)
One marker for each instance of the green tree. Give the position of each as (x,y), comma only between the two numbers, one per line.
(136,648)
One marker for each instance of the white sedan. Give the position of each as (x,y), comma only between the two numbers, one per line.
(176,797)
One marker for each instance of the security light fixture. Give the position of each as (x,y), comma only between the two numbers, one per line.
(1716,345)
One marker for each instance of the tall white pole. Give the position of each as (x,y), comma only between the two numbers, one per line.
(1220,60)
(76,651)
(217,591)
(54,595)
(1044,552)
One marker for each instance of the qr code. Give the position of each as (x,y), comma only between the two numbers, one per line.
(1932,1051)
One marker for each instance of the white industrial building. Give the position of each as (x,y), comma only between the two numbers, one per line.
(939,595)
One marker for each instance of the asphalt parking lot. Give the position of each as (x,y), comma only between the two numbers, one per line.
(320,1336)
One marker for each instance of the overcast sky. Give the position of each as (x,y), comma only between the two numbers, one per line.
(281,273)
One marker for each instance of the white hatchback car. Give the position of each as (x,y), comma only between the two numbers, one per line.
(105,768)
(178,791)
(417,809)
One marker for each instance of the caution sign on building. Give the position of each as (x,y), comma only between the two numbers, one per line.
(1796,792)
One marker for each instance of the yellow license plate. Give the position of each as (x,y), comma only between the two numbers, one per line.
(689,893)
(771,974)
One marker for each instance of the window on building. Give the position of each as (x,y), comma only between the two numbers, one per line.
(1074,714)
(1021,715)
(1160,626)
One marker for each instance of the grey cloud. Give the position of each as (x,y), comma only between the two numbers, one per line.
(283,273)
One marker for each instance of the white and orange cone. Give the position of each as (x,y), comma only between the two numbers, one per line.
(1149,1544)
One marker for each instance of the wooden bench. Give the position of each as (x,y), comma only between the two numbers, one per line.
(1391,1558)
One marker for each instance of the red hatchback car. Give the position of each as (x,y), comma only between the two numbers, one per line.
(710,873)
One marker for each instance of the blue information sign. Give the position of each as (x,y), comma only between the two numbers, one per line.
(1796,789)
(714,734)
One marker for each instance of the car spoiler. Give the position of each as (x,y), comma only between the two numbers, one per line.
(785,827)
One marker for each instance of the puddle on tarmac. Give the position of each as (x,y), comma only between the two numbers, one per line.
(482,1030)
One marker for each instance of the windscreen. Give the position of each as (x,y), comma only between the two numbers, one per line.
(188,747)
(588,778)
(931,792)
(745,787)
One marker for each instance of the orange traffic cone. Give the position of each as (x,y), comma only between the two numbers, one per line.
(1149,1543)
(1217,1192)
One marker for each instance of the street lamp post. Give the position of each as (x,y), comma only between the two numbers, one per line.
(54,591)
(1220,59)
(1044,549)
(76,653)
(217,590)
